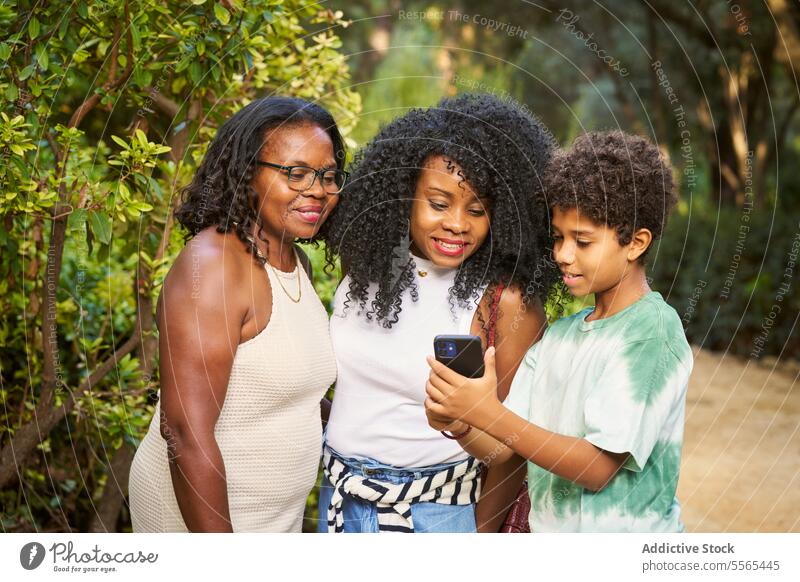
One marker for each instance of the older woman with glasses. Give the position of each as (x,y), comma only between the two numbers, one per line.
(245,352)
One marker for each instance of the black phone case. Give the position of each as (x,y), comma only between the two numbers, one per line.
(468,360)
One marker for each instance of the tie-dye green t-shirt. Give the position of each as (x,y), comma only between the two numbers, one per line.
(619,383)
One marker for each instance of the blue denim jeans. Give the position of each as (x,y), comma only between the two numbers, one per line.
(362,516)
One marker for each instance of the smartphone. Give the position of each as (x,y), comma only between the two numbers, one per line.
(460,353)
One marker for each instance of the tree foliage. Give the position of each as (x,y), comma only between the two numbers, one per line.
(108,106)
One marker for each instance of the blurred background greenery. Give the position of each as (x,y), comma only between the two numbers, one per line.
(108,106)
(715,85)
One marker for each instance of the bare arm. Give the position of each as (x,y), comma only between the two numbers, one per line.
(199,318)
(501,433)
(325,410)
(518,327)
(500,488)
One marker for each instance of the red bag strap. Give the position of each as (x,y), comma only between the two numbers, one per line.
(493,313)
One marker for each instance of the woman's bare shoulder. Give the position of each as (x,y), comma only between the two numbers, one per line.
(207,270)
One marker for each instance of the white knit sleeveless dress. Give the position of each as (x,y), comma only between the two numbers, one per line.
(269,430)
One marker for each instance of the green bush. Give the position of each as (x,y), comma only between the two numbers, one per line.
(108,106)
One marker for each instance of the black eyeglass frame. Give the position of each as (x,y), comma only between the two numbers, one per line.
(317,174)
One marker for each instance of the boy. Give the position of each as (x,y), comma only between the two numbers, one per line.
(597,406)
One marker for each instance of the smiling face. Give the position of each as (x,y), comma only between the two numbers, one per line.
(287,214)
(589,254)
(449,221)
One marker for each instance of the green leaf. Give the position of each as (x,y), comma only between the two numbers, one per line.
(79,56)
(222,14)
(62,30)
(195,72)
(27,72)
(5,51)
(34,28)
(101,227)
(178,83)
(11,92)
(121,142)
(142,206)
(42,58)
(136,36)
(77,219)
(141,137)
(155,187)
(124,192)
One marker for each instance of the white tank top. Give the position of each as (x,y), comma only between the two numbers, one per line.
(378,408)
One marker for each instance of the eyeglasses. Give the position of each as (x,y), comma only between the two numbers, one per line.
(301,178)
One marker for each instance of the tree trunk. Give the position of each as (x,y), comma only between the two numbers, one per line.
(660,110)
(724,164)
(46,417)
(115,492)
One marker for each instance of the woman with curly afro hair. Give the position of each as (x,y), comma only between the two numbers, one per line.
(245,352)
(442,229)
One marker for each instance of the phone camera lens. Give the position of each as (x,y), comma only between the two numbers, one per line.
(446,349)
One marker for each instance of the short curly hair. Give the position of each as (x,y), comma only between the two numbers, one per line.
(502,153)
(221,192)
(614,178)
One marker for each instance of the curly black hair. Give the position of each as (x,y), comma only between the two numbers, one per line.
(502,153)
(221,193)
(614,178)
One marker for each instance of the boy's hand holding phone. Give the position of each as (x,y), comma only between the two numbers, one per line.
(452,396)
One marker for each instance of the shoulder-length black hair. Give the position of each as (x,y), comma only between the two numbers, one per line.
(502,152)
(221,193)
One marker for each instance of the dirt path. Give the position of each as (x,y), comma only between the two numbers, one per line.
(741,455)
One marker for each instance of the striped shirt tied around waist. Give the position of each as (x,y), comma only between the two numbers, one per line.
(456,485)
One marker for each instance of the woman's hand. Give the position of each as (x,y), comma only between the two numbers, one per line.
(453,396)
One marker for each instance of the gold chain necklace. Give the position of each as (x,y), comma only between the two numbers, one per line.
(299,285)
(278,277)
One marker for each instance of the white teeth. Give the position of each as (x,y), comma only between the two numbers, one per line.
(449,245)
